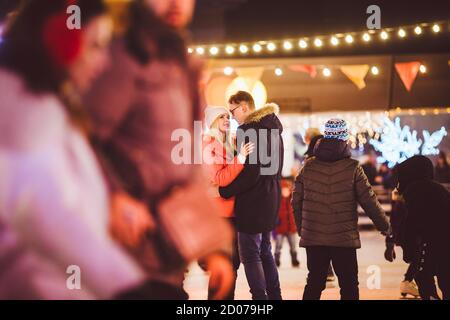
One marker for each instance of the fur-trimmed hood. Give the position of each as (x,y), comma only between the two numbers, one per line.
(265,117)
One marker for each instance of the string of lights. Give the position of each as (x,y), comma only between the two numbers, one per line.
(303,44)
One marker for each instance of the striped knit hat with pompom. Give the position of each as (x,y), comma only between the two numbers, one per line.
(336,129)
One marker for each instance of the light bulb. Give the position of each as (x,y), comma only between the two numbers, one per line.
(423,69)
(318,43)
(257,47)
(303,44)
(200,50)
(326,72)
(334,41)
(228,71)
(375,71)
(418,30)
(214,51)
(349,38)
(401,33)
(243,48)
(271,47)
(278,72)
(229,50)
(384,35)
(436,28)
(287,45)
(366,37)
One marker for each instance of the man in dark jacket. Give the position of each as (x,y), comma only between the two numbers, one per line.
(327,191)
(426,225)
(258,193)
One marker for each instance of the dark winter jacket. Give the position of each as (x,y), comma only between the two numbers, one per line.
(257,188)
(428,206)
(327,191)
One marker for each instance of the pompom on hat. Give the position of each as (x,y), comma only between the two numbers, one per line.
(336,129)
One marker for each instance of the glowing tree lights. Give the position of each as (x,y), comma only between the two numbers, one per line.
(399,143)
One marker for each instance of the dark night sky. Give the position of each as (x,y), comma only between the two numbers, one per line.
(265,19)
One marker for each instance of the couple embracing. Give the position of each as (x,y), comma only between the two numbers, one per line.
(248,182)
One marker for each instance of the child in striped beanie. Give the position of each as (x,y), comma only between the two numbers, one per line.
(336,129)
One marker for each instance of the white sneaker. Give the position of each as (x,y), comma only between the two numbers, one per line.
(409,288)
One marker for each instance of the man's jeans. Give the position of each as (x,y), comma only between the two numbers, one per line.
(255,252)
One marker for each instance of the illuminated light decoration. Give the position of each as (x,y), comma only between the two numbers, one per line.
(384,35)
(436,111)
(271,47)
(303,44)
(398,143)
(401,33)
(190,50)
(278,72)
(334,41)
(423,112)
(229,49)
(349,39)
(243,48)
(287,45)
(423,69)
(326,72)
(418,30)
(366,37)
(431,141)
(318,43)
(200,50)
(375,71)
(257,47)
(436,28)
(214,51)
(228,71)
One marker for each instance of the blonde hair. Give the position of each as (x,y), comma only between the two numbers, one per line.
(225,139)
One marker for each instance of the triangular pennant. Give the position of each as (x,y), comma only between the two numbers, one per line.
(356,73)
(309,69)
(408,72)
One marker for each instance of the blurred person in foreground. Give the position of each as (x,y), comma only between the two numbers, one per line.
(148,94)
(54,205)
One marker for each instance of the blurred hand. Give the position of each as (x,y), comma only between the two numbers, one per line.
(221,275)
(130,220)
(389,254)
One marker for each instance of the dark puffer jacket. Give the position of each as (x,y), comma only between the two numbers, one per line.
(327,191)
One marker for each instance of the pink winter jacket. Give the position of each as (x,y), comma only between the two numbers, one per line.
(54,206)
(221,172)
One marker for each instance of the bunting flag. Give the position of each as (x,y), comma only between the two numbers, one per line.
(356,73)
(408,72)
(309,69)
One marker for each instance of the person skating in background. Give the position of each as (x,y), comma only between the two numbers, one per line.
(327,191)
(408,285)
(224,165)
(148,94)
(370,169)
(286,227)
(442,169)
(54,205)
(257,193)
(425,229)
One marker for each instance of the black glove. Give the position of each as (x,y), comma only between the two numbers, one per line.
(389,253)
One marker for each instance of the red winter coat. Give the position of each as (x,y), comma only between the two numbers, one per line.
(286,222)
